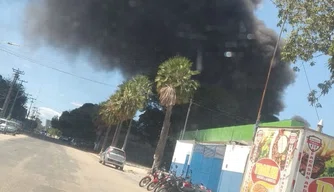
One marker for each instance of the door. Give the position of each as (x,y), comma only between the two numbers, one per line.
(206,166)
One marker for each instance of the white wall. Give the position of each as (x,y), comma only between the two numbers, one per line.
(182,148)
(235,158)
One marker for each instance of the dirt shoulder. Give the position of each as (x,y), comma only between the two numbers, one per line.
(4,137)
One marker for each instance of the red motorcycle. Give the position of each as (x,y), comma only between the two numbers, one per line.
(156,181)
(147,179)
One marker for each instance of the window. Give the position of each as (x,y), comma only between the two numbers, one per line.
(118,152)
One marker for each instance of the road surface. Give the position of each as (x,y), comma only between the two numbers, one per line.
(33,165)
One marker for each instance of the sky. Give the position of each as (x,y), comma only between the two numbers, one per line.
(56,91)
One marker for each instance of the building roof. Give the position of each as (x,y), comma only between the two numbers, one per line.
(241,133)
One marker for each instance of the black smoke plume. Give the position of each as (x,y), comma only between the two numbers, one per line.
(301,119)
(135,36)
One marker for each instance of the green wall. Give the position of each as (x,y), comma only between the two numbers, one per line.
(234,133)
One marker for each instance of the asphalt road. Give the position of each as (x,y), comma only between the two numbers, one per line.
(33,165)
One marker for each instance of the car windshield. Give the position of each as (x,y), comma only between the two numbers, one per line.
(117,151)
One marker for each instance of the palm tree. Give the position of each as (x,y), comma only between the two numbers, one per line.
(174,85)
(123,105)
(99,124)
(109,116)
(137,92)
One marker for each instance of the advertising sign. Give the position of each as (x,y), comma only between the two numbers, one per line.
(271,160)
(316,170)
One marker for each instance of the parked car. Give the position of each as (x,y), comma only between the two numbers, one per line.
(113,156)
(7,126)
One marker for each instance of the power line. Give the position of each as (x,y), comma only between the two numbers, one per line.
(53,68)
(309,86)
(225,113)
(221,111)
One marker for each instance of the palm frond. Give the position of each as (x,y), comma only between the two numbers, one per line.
(174,80)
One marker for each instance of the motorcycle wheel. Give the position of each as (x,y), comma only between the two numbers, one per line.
(165,189)
(159,185)
(145,181)
(152,186)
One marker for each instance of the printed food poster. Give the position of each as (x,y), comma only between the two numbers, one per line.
(316,169)
(271,160)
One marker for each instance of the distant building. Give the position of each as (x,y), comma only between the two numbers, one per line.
(48,124)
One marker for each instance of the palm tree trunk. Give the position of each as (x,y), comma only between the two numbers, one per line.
(159,151)
(116,135)
(97,140)
(127,135)
(105,139)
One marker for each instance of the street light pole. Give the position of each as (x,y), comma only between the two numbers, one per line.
(272,61)
(186,122)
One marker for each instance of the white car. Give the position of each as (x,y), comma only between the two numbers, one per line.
(7,126)
(113,156)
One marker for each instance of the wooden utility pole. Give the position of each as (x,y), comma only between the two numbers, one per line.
(16,96)
(17,73)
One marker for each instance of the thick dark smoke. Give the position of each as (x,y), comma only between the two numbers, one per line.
(136,35)
(302,120)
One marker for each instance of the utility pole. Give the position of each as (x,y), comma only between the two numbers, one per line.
(31,102)
(35,114)
(17,73)
(185,123)
(16,96)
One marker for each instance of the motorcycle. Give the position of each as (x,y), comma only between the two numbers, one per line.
(164,181)
(180,184)
(157,180)
(148,178)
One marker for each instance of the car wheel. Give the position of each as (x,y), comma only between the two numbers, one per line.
(121,168)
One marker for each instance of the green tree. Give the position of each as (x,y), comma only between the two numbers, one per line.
(174,85)
(54,132)
(131,97)
(101,126)
(108,115)
(19,111)
(77,123)
(137,91)
(311,36)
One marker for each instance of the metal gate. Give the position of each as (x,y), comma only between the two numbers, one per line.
(206,164)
